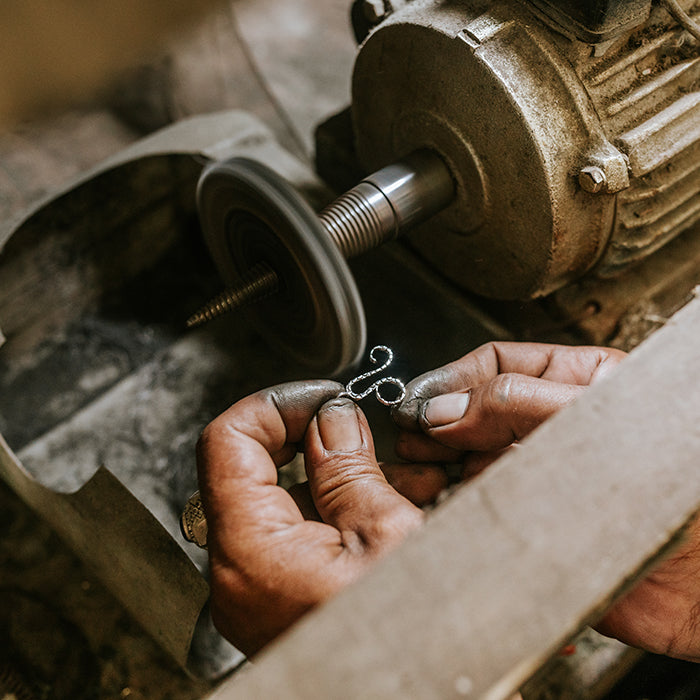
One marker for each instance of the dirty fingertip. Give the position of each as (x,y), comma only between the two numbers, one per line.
(406,415)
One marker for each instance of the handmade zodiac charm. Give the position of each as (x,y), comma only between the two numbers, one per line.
(377,385)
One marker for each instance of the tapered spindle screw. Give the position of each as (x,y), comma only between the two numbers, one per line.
(260,282)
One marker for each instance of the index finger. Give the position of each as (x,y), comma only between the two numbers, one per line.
(558,363)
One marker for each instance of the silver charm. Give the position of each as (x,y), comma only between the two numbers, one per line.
(376,386)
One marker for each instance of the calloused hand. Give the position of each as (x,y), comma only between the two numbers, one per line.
(275,554)
(471,410)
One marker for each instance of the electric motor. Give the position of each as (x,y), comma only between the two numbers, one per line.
(575,147)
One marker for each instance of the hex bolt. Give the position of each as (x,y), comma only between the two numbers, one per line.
(592,179)
(377,210)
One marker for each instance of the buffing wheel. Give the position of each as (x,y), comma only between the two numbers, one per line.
(250,215)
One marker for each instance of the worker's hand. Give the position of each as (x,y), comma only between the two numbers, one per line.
(661,613)
(471,410)
(274,556)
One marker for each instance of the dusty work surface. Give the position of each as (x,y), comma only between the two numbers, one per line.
(64,636)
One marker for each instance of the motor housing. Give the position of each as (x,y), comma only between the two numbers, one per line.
(570,157)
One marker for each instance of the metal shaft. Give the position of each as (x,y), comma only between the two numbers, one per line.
(388,202)
(377,210)
(260,282)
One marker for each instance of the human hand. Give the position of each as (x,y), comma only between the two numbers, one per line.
(471,410)
(275,554)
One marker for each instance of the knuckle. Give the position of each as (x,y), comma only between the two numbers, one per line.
(204,439)
(483,355)
(391,527)
(342,475)
(500,390)
(209,437)
(488,347)
(484,348)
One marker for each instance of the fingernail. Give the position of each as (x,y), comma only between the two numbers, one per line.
(339,426)
(445,409)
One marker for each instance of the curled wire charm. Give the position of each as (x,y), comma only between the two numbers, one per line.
(377,385)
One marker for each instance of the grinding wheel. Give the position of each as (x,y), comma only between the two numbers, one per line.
(250,215)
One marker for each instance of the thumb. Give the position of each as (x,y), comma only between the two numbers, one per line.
(348,487)
(493,415)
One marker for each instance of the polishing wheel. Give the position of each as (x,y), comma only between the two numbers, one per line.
(251,216)
(270,246)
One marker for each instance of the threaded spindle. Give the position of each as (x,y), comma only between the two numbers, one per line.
(259,282)
(384,204)
(359,220)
